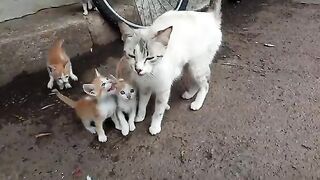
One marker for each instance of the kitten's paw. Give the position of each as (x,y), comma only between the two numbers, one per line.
(139,119)
(125,130)
(50,84)
(89,6)
(68,86)
(61,87)
(186,95)
(85,13)
(132,127)
(91,130)
(102,138)
(154,129)
(74,77)
(168,107)
(96,9)
(195,106)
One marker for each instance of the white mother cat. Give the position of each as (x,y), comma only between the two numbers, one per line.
(157,55)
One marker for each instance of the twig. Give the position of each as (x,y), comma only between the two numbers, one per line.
(47,106)
(42,134)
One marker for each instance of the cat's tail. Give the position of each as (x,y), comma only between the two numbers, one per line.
(215,8)
(65,99)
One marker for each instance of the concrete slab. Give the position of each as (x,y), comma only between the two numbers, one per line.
(24,42)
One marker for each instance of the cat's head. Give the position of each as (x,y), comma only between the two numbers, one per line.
(125,91)
(144,50)
(60,72)
(101,86)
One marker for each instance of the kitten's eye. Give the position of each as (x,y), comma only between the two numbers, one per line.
(60,78)
(122,92)
(149,58)
(67,76)
(132,56)
(103,84)
(132,90)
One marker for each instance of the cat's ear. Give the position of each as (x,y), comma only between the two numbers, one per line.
(125,30)
(89,89)
(163,36)
(97,73)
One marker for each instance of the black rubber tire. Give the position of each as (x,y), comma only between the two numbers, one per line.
(109,14)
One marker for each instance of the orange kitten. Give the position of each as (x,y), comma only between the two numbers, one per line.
(97,107)
(59,66)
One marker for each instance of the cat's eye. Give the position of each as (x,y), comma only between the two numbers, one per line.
(132,90)
(132,56)
(122,92)
(103,84)
(159,56)
(149,58)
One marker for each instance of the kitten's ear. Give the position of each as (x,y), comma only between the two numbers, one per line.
(163,36)
(89,89)
(51,68)
(114,79)
(97,73)
(125,30)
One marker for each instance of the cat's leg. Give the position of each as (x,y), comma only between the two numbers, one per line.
(123,122)
(90,5)
(192,90)
(144,97)
(100,131)
(73,76)
(50,83)
(87,125)
(132,116)
(116,121)
(201,74)
(160,106)
(85,8)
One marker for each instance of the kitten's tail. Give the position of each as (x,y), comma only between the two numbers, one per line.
(215,8)
(58,43)
(65,99)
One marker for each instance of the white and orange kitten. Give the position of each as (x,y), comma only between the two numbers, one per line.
(97,107)
(59,66)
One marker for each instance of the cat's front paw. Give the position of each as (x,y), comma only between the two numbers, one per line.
(132,127)
(74,77)
(125,130)
(118,127)
(85,13)
(139,119)
(186,95)
(50,84)
(68,86)
(195,106)
(102,138)
(154,129)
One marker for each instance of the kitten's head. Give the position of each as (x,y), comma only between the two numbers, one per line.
(101,86)
(60,72)
(144,50)
(125,91)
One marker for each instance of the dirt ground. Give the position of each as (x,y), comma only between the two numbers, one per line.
(260,119)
